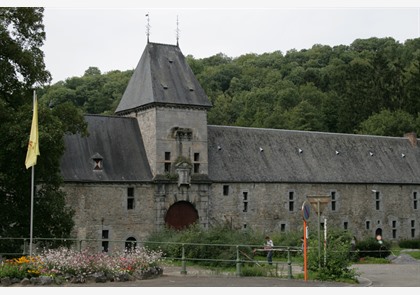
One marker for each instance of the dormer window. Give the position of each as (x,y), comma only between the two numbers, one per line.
(97,161)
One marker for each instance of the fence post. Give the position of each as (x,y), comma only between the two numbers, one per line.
(183,269)
(238,262)
(24,246)
(289,263)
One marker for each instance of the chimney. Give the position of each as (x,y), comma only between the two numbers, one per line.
(412,137)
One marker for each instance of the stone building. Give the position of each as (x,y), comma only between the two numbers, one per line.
(157,162)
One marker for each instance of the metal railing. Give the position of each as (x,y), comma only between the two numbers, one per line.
(240,259)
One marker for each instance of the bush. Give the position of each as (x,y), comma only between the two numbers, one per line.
(409,244)
(217,243)
(372,248)
(335,265)
(63,262)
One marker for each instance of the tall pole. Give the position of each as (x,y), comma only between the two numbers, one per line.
(32,211)
(319,236)
(305,260)
(325,242)
(32,200)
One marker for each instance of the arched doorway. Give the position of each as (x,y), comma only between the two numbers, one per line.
(130,244)
(181,215)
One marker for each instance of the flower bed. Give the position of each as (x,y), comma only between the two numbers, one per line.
(68,266)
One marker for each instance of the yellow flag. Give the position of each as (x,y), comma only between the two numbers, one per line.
(33,146)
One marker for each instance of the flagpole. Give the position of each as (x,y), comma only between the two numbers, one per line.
(32,210)
(32,201)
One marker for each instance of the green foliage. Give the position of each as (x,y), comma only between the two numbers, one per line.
(208,247)
(409,244)
(414,254)
(258,271)
(370,247)
(205,245)
(12,271)
(94,93)
(373,260)
(387,123)
(335,264)
(22,35)
(22,61)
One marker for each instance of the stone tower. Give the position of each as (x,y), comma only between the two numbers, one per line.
(171,108)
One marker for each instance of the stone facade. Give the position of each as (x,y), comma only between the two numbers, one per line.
(275,207)
(161,157)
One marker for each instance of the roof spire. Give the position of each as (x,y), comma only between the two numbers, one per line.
(177,31)
(148,27)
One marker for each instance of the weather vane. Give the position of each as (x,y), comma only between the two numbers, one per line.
(177,31)
(148,27)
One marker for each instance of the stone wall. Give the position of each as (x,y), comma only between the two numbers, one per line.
(270,208)
(274,208)
(100,207)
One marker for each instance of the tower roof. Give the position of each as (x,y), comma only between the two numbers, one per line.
(162,77)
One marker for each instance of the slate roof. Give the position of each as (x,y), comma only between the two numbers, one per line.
(117,140)
(235,156)
(162,76)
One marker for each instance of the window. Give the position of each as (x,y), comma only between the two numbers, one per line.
(245,195)
(167,165)
(377,201)
(415,201)
(245,200)
(394,230)
(196,165)
(225,190)
(105,234)
(345,225)
(130,198)
(413,230)
(367,224)
(245,207)
(105,244)
(333,201)
(291,201)
(98,164)
(282,227)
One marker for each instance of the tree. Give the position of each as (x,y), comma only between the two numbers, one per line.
(387,123)
(22,35)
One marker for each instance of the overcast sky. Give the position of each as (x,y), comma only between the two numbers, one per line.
(112,36)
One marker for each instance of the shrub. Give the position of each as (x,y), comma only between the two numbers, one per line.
(370,247)
(335,264)
(409,244)
(23,267)
(64,262)
(204,245)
